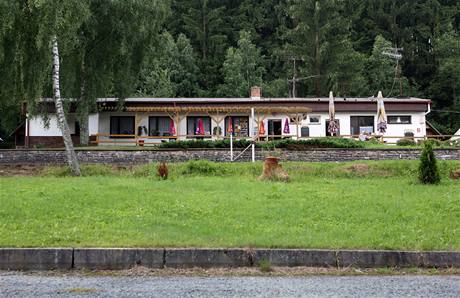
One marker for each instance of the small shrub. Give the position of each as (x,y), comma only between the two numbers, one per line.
(405,142)
(200,167)
(162,171)
(265,265)
(428,168)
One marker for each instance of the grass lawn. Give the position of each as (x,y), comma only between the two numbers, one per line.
(377,205)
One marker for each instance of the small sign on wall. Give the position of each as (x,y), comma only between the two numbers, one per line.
(418,129)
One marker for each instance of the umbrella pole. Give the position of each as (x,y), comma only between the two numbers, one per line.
(231,147)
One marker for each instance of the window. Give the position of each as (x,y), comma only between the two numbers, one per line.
(193,125)
(361,124)
(159,126)
(122,125)
(240,126)
(315,120)
(399,119)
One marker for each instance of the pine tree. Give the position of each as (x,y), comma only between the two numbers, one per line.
(428,168)
(243,68)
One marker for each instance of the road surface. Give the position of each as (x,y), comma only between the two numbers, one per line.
(20,285)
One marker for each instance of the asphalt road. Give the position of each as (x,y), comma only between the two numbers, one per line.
(18,285)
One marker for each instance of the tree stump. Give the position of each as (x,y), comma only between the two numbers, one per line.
(273,171)
(455,174)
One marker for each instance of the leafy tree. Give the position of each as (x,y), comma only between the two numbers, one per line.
(110,49)
(171,70)
(243,68)
(446,85)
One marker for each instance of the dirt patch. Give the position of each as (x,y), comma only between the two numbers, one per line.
(365,170)
(455,174)
(21,170)
(360,168)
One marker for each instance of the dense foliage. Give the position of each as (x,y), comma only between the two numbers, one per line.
(428,168)
(281,144)
(220,47)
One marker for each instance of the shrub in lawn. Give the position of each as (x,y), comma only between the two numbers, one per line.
(200,167)
(428,168)
(405,142)
(162,171)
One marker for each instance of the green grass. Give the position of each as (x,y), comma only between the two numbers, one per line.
(377,205)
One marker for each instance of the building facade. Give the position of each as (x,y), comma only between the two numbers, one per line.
(147,121)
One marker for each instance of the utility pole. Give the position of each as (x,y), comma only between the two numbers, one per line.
(396,54)
(296,79)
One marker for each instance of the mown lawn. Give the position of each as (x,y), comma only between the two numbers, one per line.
(380,206)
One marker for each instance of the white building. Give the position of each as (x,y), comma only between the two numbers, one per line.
(154,120)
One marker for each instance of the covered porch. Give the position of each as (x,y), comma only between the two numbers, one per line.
(150,125)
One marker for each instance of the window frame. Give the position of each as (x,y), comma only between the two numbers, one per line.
(194,136)
(233,124)
(314,123)
(399,116)
(359,126)
(157,118)
(122,137)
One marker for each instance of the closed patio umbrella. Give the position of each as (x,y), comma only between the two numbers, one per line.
(200,127)
(381,115)
(230,126)
(172,128)
(286,127)
(333,127)
(261,128)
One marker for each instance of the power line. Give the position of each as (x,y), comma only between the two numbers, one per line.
(446,111)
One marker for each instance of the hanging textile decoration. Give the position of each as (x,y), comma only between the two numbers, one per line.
(381,114)
(172,128)
(333,127)
(286,127)
(261,128)
(230,126)
(200,127)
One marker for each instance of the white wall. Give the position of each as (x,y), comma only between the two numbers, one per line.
(37,126)
(100,123)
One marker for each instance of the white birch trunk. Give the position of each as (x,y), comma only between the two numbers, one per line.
(64,127)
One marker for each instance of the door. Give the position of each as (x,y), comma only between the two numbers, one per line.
(274,129)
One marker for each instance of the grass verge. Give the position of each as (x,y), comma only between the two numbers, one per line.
(368,205)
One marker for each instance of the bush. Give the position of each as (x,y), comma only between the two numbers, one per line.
(203,144)
(284,144)
(314,143)
(428,168)
(200,167)
(405,142)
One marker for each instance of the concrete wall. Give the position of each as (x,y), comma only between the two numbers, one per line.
(139,157)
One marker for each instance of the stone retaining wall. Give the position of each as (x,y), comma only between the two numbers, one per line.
(125,258)
(147,156)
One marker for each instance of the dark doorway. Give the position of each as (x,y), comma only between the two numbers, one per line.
(274,129)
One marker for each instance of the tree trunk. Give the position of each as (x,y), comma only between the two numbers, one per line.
(64,127)
(83,115)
